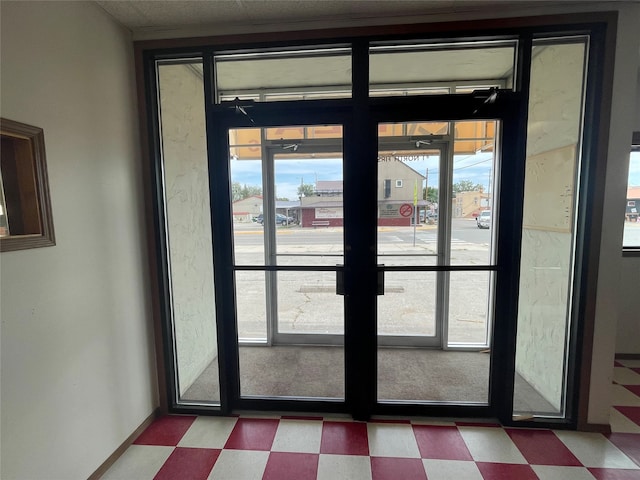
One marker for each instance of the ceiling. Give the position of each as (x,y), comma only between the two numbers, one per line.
(149,19)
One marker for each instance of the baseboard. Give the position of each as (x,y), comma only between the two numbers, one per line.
(101,470)
(604,428)
(627,356)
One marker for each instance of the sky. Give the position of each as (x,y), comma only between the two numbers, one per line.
(634,169)
(291,172)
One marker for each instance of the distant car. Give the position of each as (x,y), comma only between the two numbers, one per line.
(280,219)
(432,217)
(484,219)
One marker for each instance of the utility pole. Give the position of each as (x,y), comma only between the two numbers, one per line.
(426,181)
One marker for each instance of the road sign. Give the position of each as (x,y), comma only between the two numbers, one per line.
(406,210)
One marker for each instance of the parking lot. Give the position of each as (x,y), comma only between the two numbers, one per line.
(307,300)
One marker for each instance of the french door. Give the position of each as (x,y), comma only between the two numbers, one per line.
(347,288)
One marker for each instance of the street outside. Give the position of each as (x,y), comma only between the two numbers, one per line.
(307,301)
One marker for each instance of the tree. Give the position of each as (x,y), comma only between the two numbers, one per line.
(467,186)
(306,190)
(239,191)
(431,194)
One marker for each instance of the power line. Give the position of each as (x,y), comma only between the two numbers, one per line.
(435,170)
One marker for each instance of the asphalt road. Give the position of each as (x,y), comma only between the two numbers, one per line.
(463,230)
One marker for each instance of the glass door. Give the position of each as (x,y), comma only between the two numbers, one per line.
(436,192)
(435,248)
(287,207)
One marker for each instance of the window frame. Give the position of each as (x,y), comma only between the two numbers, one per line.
(631,250)
(600,26)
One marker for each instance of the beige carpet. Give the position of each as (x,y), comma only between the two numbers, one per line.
(403,374)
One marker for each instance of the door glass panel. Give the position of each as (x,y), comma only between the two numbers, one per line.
(439,162)
(292,371)
(245,166)
(549,218)
(188,223)
(251,305)
(284,75)
(428,375)
(473,191)
(408,179)
(309,195)
(408,306)
(308,304)
(470,308)
(290,322)
(440,68)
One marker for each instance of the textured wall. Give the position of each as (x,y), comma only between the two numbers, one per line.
(545,272)
(554,119)
(188,218)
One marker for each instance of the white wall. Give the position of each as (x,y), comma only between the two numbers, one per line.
(77,359)
(628,339)
(610,299)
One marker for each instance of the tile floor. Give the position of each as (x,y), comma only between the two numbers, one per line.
(287,448)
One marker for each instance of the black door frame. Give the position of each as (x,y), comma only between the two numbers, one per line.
(360,252)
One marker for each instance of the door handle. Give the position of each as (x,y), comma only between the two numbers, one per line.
(340,281)
(380,289)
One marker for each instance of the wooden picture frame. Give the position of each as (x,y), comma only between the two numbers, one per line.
(25,218)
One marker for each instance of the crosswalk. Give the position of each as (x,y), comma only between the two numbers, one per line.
(430,238)
(433,238)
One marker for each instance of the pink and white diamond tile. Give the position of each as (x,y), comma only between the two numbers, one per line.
(290,448)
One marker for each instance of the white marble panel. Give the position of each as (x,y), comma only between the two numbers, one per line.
(188,219)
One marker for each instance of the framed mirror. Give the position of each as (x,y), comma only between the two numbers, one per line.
(25,208)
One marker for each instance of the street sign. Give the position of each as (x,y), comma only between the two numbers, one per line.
(406,210)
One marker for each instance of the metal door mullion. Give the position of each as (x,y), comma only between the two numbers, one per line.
(268,221)
(444,239)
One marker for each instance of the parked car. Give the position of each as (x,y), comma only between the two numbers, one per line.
(484,219)
(432,217)
(280,219)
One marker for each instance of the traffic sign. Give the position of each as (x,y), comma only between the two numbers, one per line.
(406,210)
